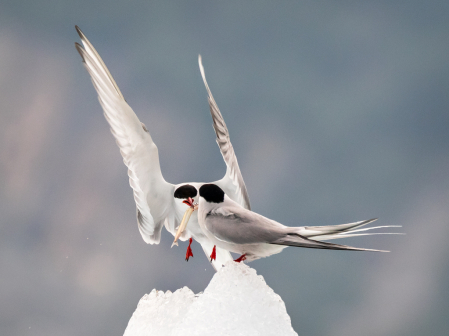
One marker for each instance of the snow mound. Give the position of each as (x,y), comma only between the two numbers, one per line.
(158,312)
(237,301)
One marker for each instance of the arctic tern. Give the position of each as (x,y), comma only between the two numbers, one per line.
(231,227)
(159,202)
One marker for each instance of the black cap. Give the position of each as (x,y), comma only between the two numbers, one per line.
(186,191)
(212,193)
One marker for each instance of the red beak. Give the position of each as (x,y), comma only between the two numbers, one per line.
(188,202)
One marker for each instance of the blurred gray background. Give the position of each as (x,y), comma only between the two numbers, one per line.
(338,112)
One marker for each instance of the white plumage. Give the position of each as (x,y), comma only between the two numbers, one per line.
(154,197)
(231,227)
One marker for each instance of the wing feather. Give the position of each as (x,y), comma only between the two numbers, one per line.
(247,227)
(232,183)
(237,225)
(152,193)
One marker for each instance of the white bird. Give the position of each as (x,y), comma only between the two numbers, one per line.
(159,202)
(231,227)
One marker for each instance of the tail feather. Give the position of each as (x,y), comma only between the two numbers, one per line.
(338,236)
(341,231)
(311,231)
(313,236)
(294,239)
(372,228)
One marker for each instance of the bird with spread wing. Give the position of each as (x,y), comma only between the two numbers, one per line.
(158,202)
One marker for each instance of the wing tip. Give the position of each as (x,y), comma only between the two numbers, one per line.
(200,63)
(80,33)
(80,50)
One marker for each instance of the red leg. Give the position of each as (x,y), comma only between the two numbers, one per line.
(241,258)
(213,255)
(189,250)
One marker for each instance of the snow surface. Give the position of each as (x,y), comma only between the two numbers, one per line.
(237,301)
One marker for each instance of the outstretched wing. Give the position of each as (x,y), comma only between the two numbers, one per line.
(152,194)
(232,183)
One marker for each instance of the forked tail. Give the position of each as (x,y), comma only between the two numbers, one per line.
(313,236)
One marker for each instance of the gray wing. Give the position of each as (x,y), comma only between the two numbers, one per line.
(232,183)
(241,226)
(151,193)
(247,227)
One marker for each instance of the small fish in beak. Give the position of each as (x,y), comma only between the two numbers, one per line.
(185,219)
